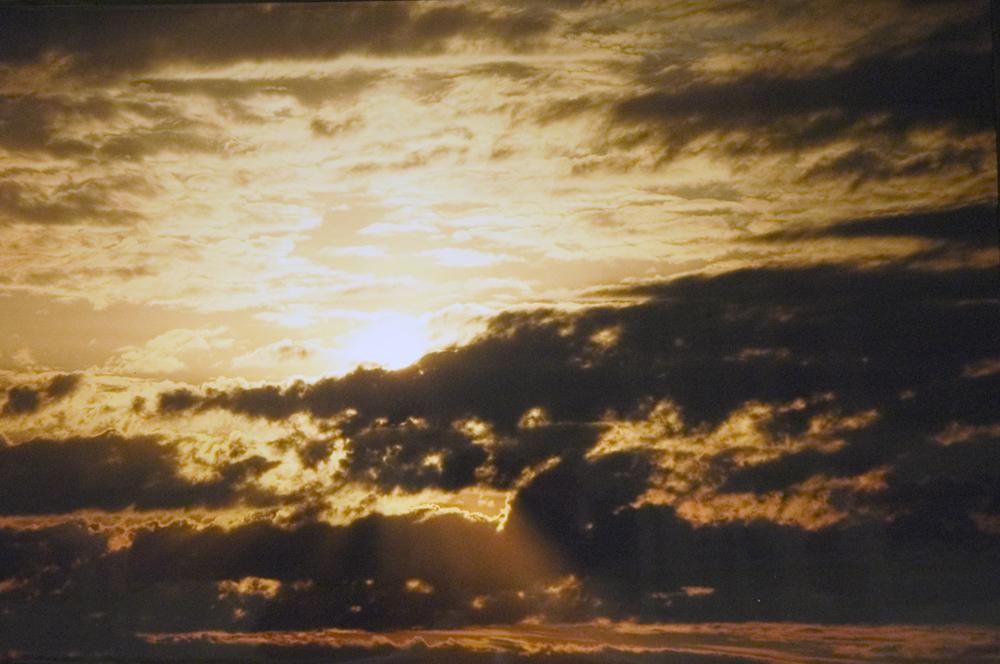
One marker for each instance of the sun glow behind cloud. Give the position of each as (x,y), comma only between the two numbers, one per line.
(390,340)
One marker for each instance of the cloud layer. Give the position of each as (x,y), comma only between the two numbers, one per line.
(654,331)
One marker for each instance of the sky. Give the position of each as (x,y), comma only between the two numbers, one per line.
(558,332)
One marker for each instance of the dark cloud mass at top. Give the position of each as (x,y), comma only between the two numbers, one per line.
(433,332)
(129,39)
(938,83)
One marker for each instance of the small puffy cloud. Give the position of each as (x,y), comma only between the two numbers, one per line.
(287,354)
(248,586)
(166,352)
(24,400)
(419,586)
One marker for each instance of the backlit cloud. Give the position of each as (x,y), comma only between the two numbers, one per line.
(637,331)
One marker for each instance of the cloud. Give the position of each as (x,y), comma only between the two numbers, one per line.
(413,456)
(972,225)
(21,400)
(831,320)
(250,585)
(30,123)
(102,42)
(308,91)
(61,127)
(24,400)
(369,563)
(325,128)
(727,643)
(163,353)
(523,407)
(285,353)
(750,442)
(866,165)
(140,143)
(637,559)
(111,472)
(883,94)
(574,550)
(852,373)
(67,204)
(41,560)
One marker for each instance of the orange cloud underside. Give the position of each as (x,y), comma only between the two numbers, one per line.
(777,643)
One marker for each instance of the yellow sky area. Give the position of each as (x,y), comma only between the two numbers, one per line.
(363,209)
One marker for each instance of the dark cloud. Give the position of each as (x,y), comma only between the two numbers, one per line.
(857,333)
(718,190)
(575,548)
(894,342)
(972,225)
(885,94)
(121,39)
(62,385)
(110,472)
(517,71)
(321,127)
(32,123)
(66,593)
(22,400)
(70,203)
(349,576)
(307,91)
(864,165)
(169,137)
(636,559)
(42,560)
(567,108)
(937,492)
(413,457)
(905,431)
(176,400)
(366,564)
